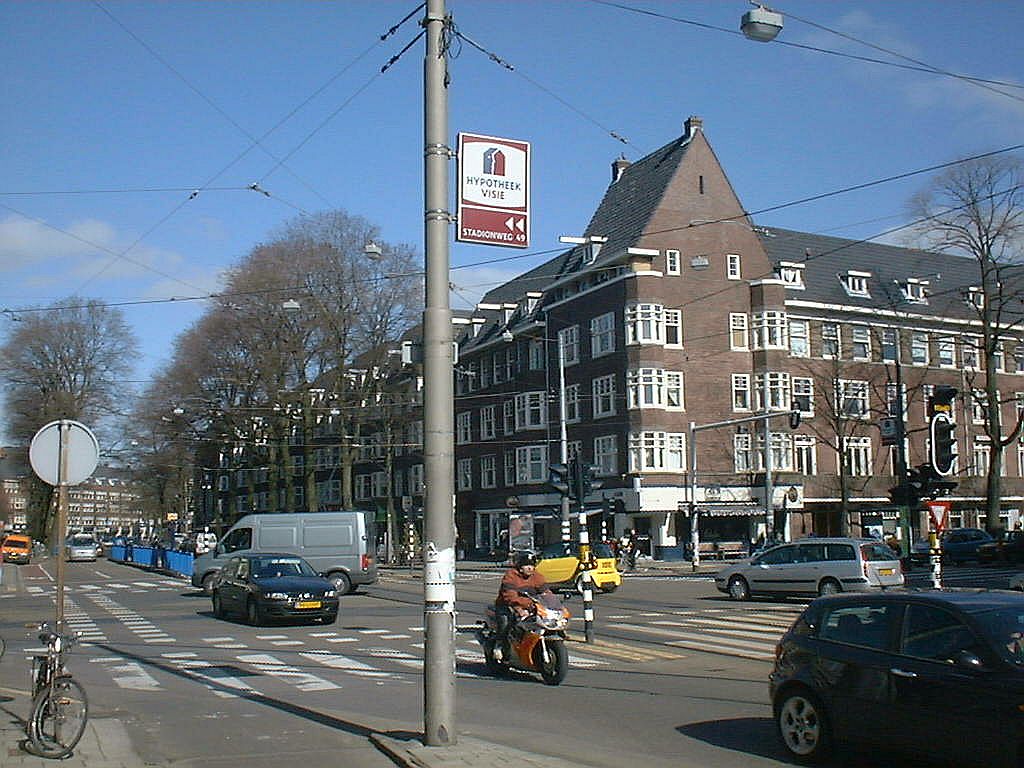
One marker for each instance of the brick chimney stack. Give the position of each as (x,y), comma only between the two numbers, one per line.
(692,125)
(618,167)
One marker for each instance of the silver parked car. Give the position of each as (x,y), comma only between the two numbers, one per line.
(81,546)
(814,566)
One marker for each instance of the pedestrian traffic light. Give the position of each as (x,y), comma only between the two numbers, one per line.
(910,491)
(588,479)
(560,478)
(943,443)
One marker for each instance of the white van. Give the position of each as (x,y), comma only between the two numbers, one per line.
(337,544)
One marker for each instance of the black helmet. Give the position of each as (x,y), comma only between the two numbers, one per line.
(524,557)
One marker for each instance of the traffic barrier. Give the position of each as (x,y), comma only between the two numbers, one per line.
(179,563)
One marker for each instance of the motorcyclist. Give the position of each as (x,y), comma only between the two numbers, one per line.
(510,605)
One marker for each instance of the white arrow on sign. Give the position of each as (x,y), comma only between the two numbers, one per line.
(509,223)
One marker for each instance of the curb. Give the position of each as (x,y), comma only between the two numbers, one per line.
(466,753)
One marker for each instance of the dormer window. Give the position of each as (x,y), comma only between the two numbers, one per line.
(592,246)
(792,274)
(915,290)
(507,311)
(975,297)
(856,283)
(532,300)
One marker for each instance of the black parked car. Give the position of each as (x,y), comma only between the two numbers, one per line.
(1009,548)
(264,586)
(933,673)
(958,546)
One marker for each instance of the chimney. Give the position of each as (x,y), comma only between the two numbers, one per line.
(618,167)
(692,125)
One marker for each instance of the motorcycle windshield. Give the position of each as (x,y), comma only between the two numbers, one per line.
(549,600)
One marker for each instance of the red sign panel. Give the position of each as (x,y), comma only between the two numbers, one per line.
(938,511)
(494,191)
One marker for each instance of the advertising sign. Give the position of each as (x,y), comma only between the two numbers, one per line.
(494,191)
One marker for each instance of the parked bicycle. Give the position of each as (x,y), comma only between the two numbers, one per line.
(59,706)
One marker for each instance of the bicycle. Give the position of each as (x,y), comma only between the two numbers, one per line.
(60,708)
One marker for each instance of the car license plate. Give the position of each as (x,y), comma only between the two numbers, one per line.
(886,571)
(308,604)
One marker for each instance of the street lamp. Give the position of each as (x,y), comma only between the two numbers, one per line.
(761,24)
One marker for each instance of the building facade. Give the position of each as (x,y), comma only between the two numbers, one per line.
(674,309)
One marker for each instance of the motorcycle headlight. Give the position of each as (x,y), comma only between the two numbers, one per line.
(275,596)
(58,644)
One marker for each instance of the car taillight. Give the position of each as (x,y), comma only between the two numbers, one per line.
(366,561)
(865,569)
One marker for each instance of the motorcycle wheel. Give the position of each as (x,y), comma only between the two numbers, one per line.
(494,666)
(557,666)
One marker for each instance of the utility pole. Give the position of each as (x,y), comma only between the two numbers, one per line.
(438,396)
(769,509)
(563,436)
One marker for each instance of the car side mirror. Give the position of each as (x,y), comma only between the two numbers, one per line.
(969,660)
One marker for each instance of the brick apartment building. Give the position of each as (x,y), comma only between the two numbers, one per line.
(672,308)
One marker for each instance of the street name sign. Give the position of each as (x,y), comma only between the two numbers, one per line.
(494,191)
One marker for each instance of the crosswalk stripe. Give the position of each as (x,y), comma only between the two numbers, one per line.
(277,668)
(345,663)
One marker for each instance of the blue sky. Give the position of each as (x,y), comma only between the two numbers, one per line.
(118,96)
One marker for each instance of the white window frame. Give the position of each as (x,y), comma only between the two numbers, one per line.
(510,468)
(739,332)
(858,455)
(649,451)
(799,340)
(508,417)
(602,335)
(673,262)
(606,454)
(837,339)
(645,323)
(803,386)
(970,353)
(920,354)
(860,343)
(945,351)
(536,355)
(890,342)
(489,471)
(464,475)
(741,394)
(805,455)
(531,410)
(771,391)
(674,320)
(674,391)
(603,390)
(852,390)
(531,464)
(742,453)
(733,266)
(981,457)
(769,330)
(569,339)
(856,283)
(463,428)
(572,403)
(645,388)
(488,422)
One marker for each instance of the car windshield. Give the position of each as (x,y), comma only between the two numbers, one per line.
(82,540)
(274,567)
(1005,630)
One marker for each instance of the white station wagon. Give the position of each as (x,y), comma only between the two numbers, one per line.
(814,566)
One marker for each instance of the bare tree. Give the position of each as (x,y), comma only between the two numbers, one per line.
(286,352)
(68,361)
(976,209)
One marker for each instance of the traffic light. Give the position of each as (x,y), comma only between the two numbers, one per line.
(943,443)
(934,485)
(801,403)
(560,478)
(584,479)
(941,400)
(911,490)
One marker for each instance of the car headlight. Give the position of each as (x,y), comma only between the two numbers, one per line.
(329,593)
(275,596)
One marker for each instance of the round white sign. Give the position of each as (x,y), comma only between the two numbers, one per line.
(83,451)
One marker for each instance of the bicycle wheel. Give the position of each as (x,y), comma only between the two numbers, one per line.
(59,714)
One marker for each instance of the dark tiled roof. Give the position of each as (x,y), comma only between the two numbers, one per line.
(825,258)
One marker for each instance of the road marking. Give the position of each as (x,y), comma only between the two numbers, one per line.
(136,678)
(271,637)
(344,663)
(342,639)
(322,634)
(276,668)
(288,642)
(193,667)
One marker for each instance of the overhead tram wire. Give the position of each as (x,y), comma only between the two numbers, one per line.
(988,85)
(506,65)
(251,146)
(801,46)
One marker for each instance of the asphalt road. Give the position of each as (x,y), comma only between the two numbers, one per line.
(677,676)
